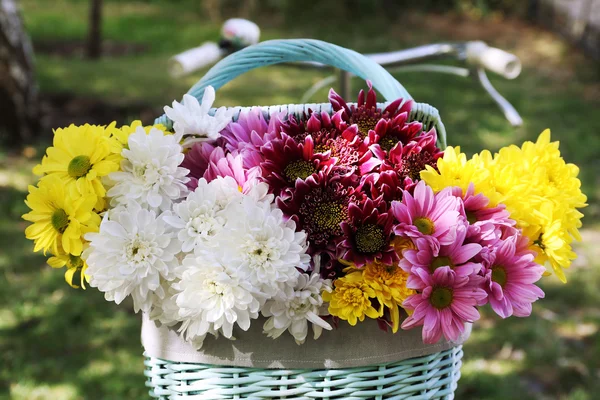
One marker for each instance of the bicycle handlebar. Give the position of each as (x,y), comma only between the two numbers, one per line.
(496,60)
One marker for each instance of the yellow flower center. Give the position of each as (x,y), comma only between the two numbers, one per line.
(59,220)
(365,123)
(388,142)
(370,239)
(499,275)
(299,169)
(424,225)
(353,296)
(441,261)
(441,297)
(79,166)
(74,262)
(328,216)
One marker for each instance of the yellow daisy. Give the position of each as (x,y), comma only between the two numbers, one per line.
(76,268)
(80,157)
(350,300)
(59,219)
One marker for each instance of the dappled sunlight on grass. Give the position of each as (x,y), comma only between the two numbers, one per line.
(32,391)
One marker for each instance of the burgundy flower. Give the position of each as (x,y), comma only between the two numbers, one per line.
(368,234)
(408,160)
(197,160)
(319,205)
(349,149)
(331,267)
(365,114)
(286,161)
(389,132)
(385,185)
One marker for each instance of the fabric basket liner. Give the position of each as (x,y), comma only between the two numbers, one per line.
(344,347)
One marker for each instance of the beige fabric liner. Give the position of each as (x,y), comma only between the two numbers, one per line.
(344,347)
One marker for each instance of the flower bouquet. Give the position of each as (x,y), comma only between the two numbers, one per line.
(222,219)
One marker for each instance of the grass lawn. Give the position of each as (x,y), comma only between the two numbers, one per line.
(60,343)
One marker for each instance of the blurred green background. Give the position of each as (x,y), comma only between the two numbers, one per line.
(61,343)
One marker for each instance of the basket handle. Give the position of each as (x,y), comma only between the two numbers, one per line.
(289,50)
(281,51)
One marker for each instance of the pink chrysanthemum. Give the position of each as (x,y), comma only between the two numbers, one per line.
(365,114)
(319,205)
(444,304)
(426,214)
(510,279)
(368,233)
(485,223)
(286,161)
(456,255)
(232,164)
(249,133)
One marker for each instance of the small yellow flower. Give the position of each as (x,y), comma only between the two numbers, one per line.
(401,243)
(76,268)
(59,219)
(389,284)
(350,300)
(80,157)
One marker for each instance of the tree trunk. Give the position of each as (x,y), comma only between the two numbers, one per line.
(94,45)
(19,119)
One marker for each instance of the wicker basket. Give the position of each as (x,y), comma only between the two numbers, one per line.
(432,376)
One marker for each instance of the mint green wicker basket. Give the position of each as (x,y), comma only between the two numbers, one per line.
(433,376)
(429,377)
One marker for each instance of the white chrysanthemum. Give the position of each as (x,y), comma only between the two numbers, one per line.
(262,245)
(130,254)
(213,298)
(193,121)
(200,217)
(151,175)
(293,311)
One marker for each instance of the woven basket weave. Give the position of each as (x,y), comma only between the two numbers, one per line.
(433,376)
(429,377)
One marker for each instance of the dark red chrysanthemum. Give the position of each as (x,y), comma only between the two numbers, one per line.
(385,185)
(408,160)
(197,160)
(286,161)
(368,233)
(330,267)
(319,205)
(365,114)
(389,132)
